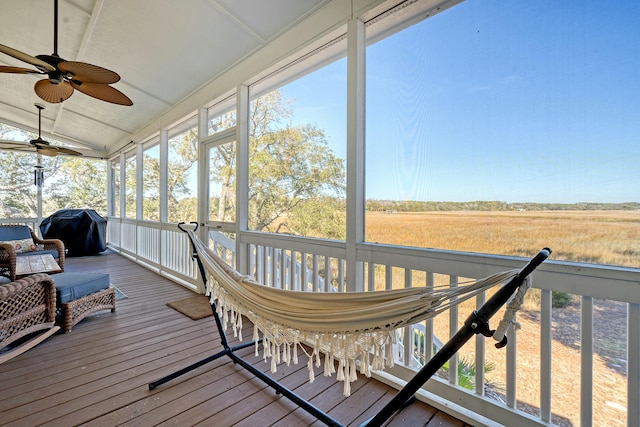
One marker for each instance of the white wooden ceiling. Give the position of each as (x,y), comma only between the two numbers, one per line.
(164,50)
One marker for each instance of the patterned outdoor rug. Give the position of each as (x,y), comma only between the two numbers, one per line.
(196,307)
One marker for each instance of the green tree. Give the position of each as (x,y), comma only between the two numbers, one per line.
(223,171)
(69,181)
(151,188)
(291,169)
(319,217)
(296,183)
(130,188)
(183,155)
(80,184)
(17,192)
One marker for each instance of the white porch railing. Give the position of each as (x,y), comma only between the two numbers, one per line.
(162,247)
(289,262)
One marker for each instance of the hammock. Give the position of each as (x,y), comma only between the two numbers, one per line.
(356,329)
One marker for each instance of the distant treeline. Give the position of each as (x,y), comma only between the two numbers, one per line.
(490,205)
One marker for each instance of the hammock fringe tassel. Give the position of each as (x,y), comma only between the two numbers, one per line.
(365,351)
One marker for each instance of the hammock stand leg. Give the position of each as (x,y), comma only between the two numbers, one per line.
(226,351)
(476,323)
(230,352)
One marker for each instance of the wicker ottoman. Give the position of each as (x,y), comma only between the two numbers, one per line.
(81,294)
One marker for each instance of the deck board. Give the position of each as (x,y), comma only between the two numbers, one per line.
(97,375)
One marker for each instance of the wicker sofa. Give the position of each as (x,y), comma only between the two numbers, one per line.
(12,236)
(27,314)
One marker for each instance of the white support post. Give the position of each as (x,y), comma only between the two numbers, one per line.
(110,189)
(164,174)
(203,176)
(202,188)
(123,186)
(355,151)
(139,183)
(242,175)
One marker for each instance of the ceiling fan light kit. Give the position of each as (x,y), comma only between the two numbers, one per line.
(66,76)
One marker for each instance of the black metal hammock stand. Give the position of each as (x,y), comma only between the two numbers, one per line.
(476,323)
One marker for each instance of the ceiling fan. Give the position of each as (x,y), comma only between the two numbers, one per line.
(65,76)
(41,146)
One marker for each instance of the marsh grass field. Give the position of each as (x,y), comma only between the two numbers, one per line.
(599,237)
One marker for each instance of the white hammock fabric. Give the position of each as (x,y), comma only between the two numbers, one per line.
(356,329)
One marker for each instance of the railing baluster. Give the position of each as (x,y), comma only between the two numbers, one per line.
(371,285)
(275,266)
(251,262)
(262,274)
(316,274)
(304,280)
(586,361)
(266,270)
(480,352)
(545,355)
(453,328)
(511,367)
(409,341)
(388,277)
(295,277)
(327,274)
(288,268)
(633,364)
(340,275)
(428,339)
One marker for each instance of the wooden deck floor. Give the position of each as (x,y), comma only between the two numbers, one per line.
(97,375)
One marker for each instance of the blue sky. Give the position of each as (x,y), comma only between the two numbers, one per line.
(497,100)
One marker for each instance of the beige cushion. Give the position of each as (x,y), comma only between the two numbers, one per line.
(22,245)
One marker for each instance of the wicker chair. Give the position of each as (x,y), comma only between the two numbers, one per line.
(8,253)
(27,308)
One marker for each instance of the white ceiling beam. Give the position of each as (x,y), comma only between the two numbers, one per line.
(93,18)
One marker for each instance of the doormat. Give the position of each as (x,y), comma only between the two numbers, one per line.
(196,307)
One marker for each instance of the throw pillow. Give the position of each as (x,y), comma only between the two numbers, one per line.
(23,245)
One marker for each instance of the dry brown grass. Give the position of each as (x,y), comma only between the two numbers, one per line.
(602,237)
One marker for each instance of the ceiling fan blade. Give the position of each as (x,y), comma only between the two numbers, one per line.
(16,146)
(48,151)
(18,70)
(103,92)
(53,93)
(88,73)
(40,64)
(68,151)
